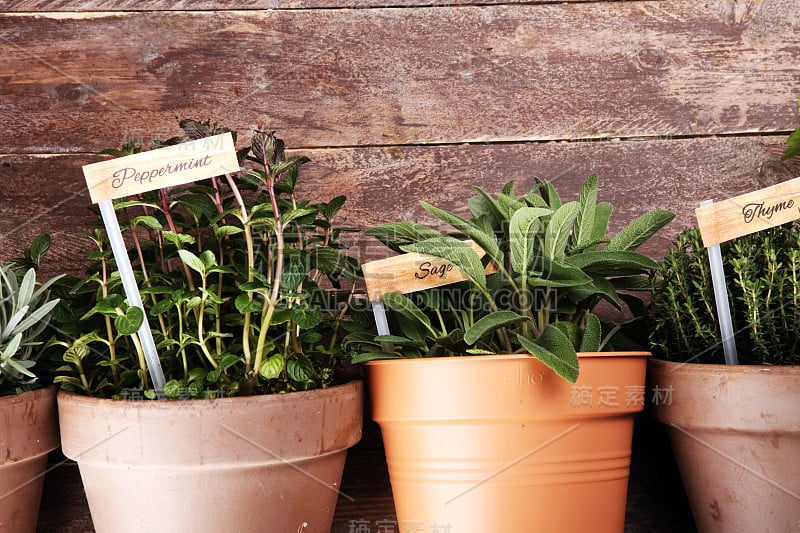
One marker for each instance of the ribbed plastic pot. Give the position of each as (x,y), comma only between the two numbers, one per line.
(246,465)
(735,433)
(28,432)
(502,444)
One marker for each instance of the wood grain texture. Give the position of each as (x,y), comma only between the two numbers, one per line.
(385,184)
(380,77)
(21,6)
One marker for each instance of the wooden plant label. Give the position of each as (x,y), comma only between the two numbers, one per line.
(165,167)
(749,213)
(412,272)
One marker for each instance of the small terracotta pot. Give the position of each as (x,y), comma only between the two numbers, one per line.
(735,432)
(28,432)
(502,444)
(247,464)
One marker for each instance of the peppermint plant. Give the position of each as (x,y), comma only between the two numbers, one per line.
(246,285)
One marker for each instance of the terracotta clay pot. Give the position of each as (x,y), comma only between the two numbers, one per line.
(28,432)
(246,465)
(735,432)
(502,444)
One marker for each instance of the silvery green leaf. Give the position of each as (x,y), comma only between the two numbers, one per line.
(487,241)
(602,214)
(533,199)
(12,323)
(404,305)
(554,349)
(397,234)
(496,210)
(40,291)
(20,366)
(570,330)
(584,224)
(592,334)
(523,231)
(611,263)
(399,341)
(557,274)
(638,231)
(25,291)
(599,286)
(364,357)
(11,348)
(550,194)
(632,283)
(490,323)
(509,204)
(558,230)
(37,315)
(479,207)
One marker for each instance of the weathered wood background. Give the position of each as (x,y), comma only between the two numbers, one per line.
(671,102)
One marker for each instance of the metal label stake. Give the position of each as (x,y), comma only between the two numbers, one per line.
(721,300)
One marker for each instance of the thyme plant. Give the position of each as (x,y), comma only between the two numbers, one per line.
(242,281)
(762,271)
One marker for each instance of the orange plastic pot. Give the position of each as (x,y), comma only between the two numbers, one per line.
(735,432)
(28,432)
(501,443)
(247,464)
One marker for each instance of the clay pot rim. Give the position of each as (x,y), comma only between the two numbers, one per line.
(27,396)
(455,359)
(717,368)
(290,397)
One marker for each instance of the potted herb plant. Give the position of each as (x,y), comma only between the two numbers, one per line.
(505,402)
(734,429)
(28,423)
(247,290)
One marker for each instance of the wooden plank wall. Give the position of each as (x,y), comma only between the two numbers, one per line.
(671,102)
